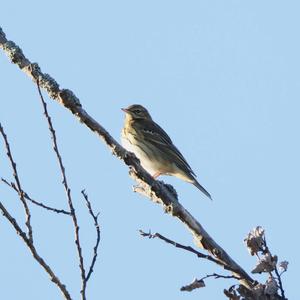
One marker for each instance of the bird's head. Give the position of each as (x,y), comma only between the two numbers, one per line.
(136,112)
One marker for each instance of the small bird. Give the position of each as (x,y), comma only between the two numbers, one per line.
(154,148)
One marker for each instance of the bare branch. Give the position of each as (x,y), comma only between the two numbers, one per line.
(18,184)
(217,276)
(26,196)
(97,227)
(155,190)
(68,194)
(199,283)
(34,252)
(276,270)
(178,245)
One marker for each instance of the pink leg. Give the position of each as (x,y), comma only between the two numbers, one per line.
(155,175)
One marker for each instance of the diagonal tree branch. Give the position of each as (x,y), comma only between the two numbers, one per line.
(155,190)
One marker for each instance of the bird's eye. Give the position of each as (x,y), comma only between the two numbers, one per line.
(138,111)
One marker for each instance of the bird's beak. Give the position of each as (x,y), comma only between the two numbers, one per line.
(125,110)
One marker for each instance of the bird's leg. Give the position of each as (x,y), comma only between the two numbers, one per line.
(155,175)
(138,187)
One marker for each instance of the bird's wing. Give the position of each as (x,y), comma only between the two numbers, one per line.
(156,136)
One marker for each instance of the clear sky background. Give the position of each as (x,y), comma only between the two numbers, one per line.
(221,77)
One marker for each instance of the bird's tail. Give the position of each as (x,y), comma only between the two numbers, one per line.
(201,188)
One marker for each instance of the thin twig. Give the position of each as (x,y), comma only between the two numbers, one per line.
(187,248)
(68,194)
(26,196)
(97,227)
(34,252)
(280,283)
(18,187)
(267,250)
(199,283)
(217,276)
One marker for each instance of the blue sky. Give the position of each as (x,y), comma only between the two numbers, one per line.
(221,77)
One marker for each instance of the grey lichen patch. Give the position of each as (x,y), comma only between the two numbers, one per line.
(15,54)
(172,190)
(68,99)
(33,71)
(2,37)
(50,85)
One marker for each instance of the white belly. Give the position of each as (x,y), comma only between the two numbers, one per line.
(151,166)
